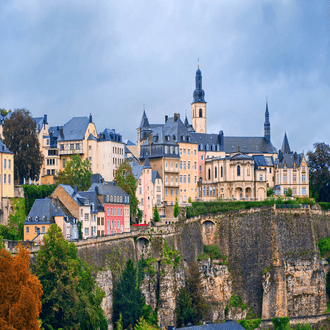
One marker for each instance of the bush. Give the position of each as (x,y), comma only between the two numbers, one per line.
(250,324)
(281,323)
(324,205)
(324,246)
(304,326)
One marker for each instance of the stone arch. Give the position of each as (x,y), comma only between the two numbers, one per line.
(238,193)
(208,231)
(261,193)
(248,193)
(142,243)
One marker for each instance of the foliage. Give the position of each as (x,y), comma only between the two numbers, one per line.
(139,215)
(149,315)
(76,172)
(33,192)
(141,324)
(327,286)
(20,137)
(304,326)
(288,192)
(156,214)
(324,246)
(235,301)
(119,323)
(195,290)
(319,171)
(176,210)
(14,231)
(171,257)
(270,192)
(124,178)
(127,297)
(325,205)
(79,226)
(72,299)
(281,323)
(20,290)
(250,324)
(185,312)
(213,251)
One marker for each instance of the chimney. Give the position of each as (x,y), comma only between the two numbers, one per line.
(176,116)
(166,118)
(45,120)
(221,138)
(90,118)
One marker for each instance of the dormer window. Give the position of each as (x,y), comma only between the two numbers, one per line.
(174,137)
(111,198)
(171,150)
(86,202)
(37,218)
(166,149)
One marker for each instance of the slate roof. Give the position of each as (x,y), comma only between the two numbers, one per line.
(39,122)
(261,160)
(208,139)
(129,143)
(110,135)
(91,137)
(240,156)
(108,189)
(289,160)
(4,149)
(285,145)
(228,325)
(178,129)
(54,133)
(74,129)
(136,169)
(96,178)
(233,144)
(92,198)
(154,175)
(144,120)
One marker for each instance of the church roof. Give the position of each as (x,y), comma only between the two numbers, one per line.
(241,156)
(144,120)
(247,145)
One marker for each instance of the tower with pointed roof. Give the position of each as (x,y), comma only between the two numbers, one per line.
(267,124)
(198,106)
(285,145)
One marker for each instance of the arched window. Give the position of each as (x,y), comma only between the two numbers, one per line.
(215,172)
(200,113)
(221,171)
(238,170)
(209,174)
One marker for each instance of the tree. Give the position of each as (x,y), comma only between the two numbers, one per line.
(127,297)
(176,210)
(194,287)
(76,172)
(270,192)
(20,137)
(72,299)
(288,192)
(156,214)
(124,178)
(20,290)
(185,312)
(319,172)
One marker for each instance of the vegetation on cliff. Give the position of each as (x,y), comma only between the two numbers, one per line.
(72,299)
(213,252)
(20,290)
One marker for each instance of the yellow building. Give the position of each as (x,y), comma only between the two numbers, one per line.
(6,172)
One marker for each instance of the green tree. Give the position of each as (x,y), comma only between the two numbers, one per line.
(72,299)
(141,324)
(156,214)
(194,287)
(319,172)
(270,192)
(124,178)
(288,192)
(20,137)
(139,215)
(176,210)
(185,312)
(281,323)
(76,172)
(33,192)
(127,297)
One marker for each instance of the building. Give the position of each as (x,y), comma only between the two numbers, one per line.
(43,214)
(291,172)
(6,172)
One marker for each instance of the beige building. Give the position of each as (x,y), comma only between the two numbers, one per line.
(6,172)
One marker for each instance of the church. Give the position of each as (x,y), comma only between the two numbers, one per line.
(196,165)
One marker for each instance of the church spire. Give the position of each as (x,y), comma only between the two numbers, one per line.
(198,92)
(285,145)
(267,124)
(144,121)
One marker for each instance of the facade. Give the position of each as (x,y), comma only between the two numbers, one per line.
(291,172)
(43,214)
(6,172)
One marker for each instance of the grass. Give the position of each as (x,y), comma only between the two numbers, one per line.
(328,309)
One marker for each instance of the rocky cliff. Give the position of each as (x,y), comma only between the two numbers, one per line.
(274,265)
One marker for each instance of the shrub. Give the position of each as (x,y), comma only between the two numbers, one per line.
(304,326)
(281,323)
(250,324)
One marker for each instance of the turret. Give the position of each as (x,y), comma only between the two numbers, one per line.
(267,124)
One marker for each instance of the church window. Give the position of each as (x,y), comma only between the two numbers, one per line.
(238,170)
(200,113)
(209,174)
(215,172)
(222,171)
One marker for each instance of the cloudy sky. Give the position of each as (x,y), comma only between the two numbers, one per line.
(68,58)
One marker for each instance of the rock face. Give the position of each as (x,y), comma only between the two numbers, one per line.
(274,263)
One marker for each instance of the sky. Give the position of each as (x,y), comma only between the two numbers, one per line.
(69,58)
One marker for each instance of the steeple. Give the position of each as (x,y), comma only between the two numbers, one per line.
(267,124)
(144,121)
(198,92)
(285,145)
(186,121)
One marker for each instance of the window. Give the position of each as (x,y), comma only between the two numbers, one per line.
(77,146)
(303,177)
(238,170)
(200,113)
(176,165)
(8,178)
(177,192)
(188,165)
(303,190)
(117,223)
(171,179)
(194,152)
(47,142)
(165,178)
(184,152)
(200,168)
(294,178)
(63,162)
(202,157)
(203,191)
(294,191)
(176,150)
(86,216)
(108,212)
(86,231)
(171,164)
(171,150)
(248,171)
(81,212)
(141,201)
(166,193)
(260,177)
(165,164)
(71,146)
(184,165)
(180,151)
(270,170)
(210,191)
(115,211)
(195,178)
(221,171)
(184,179)
(180,165)
(188,178)
(111,211)
(43,229)
(209,174)
(90,147)
(166,149)
(171,192)
(9,164)
(62,147)
(180,178)
(284,177)
(27,230)
(188,152)
(4,179)
(4,163)
(215,172)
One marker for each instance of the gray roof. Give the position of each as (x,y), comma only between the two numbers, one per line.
(130,143)
(233,144)
(154,175)
(285,145)
(177,130)
(228,325)
(289,160)
(108,189)
(241,156)
(136,169)
(39,122)
(54,133)
(91,137)
(74,129)
(208,141)
(92,198)
(110,135)
(261,160)
(96,178)
(4,149)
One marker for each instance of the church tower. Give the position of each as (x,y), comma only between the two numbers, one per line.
(198,106)
(267,125)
